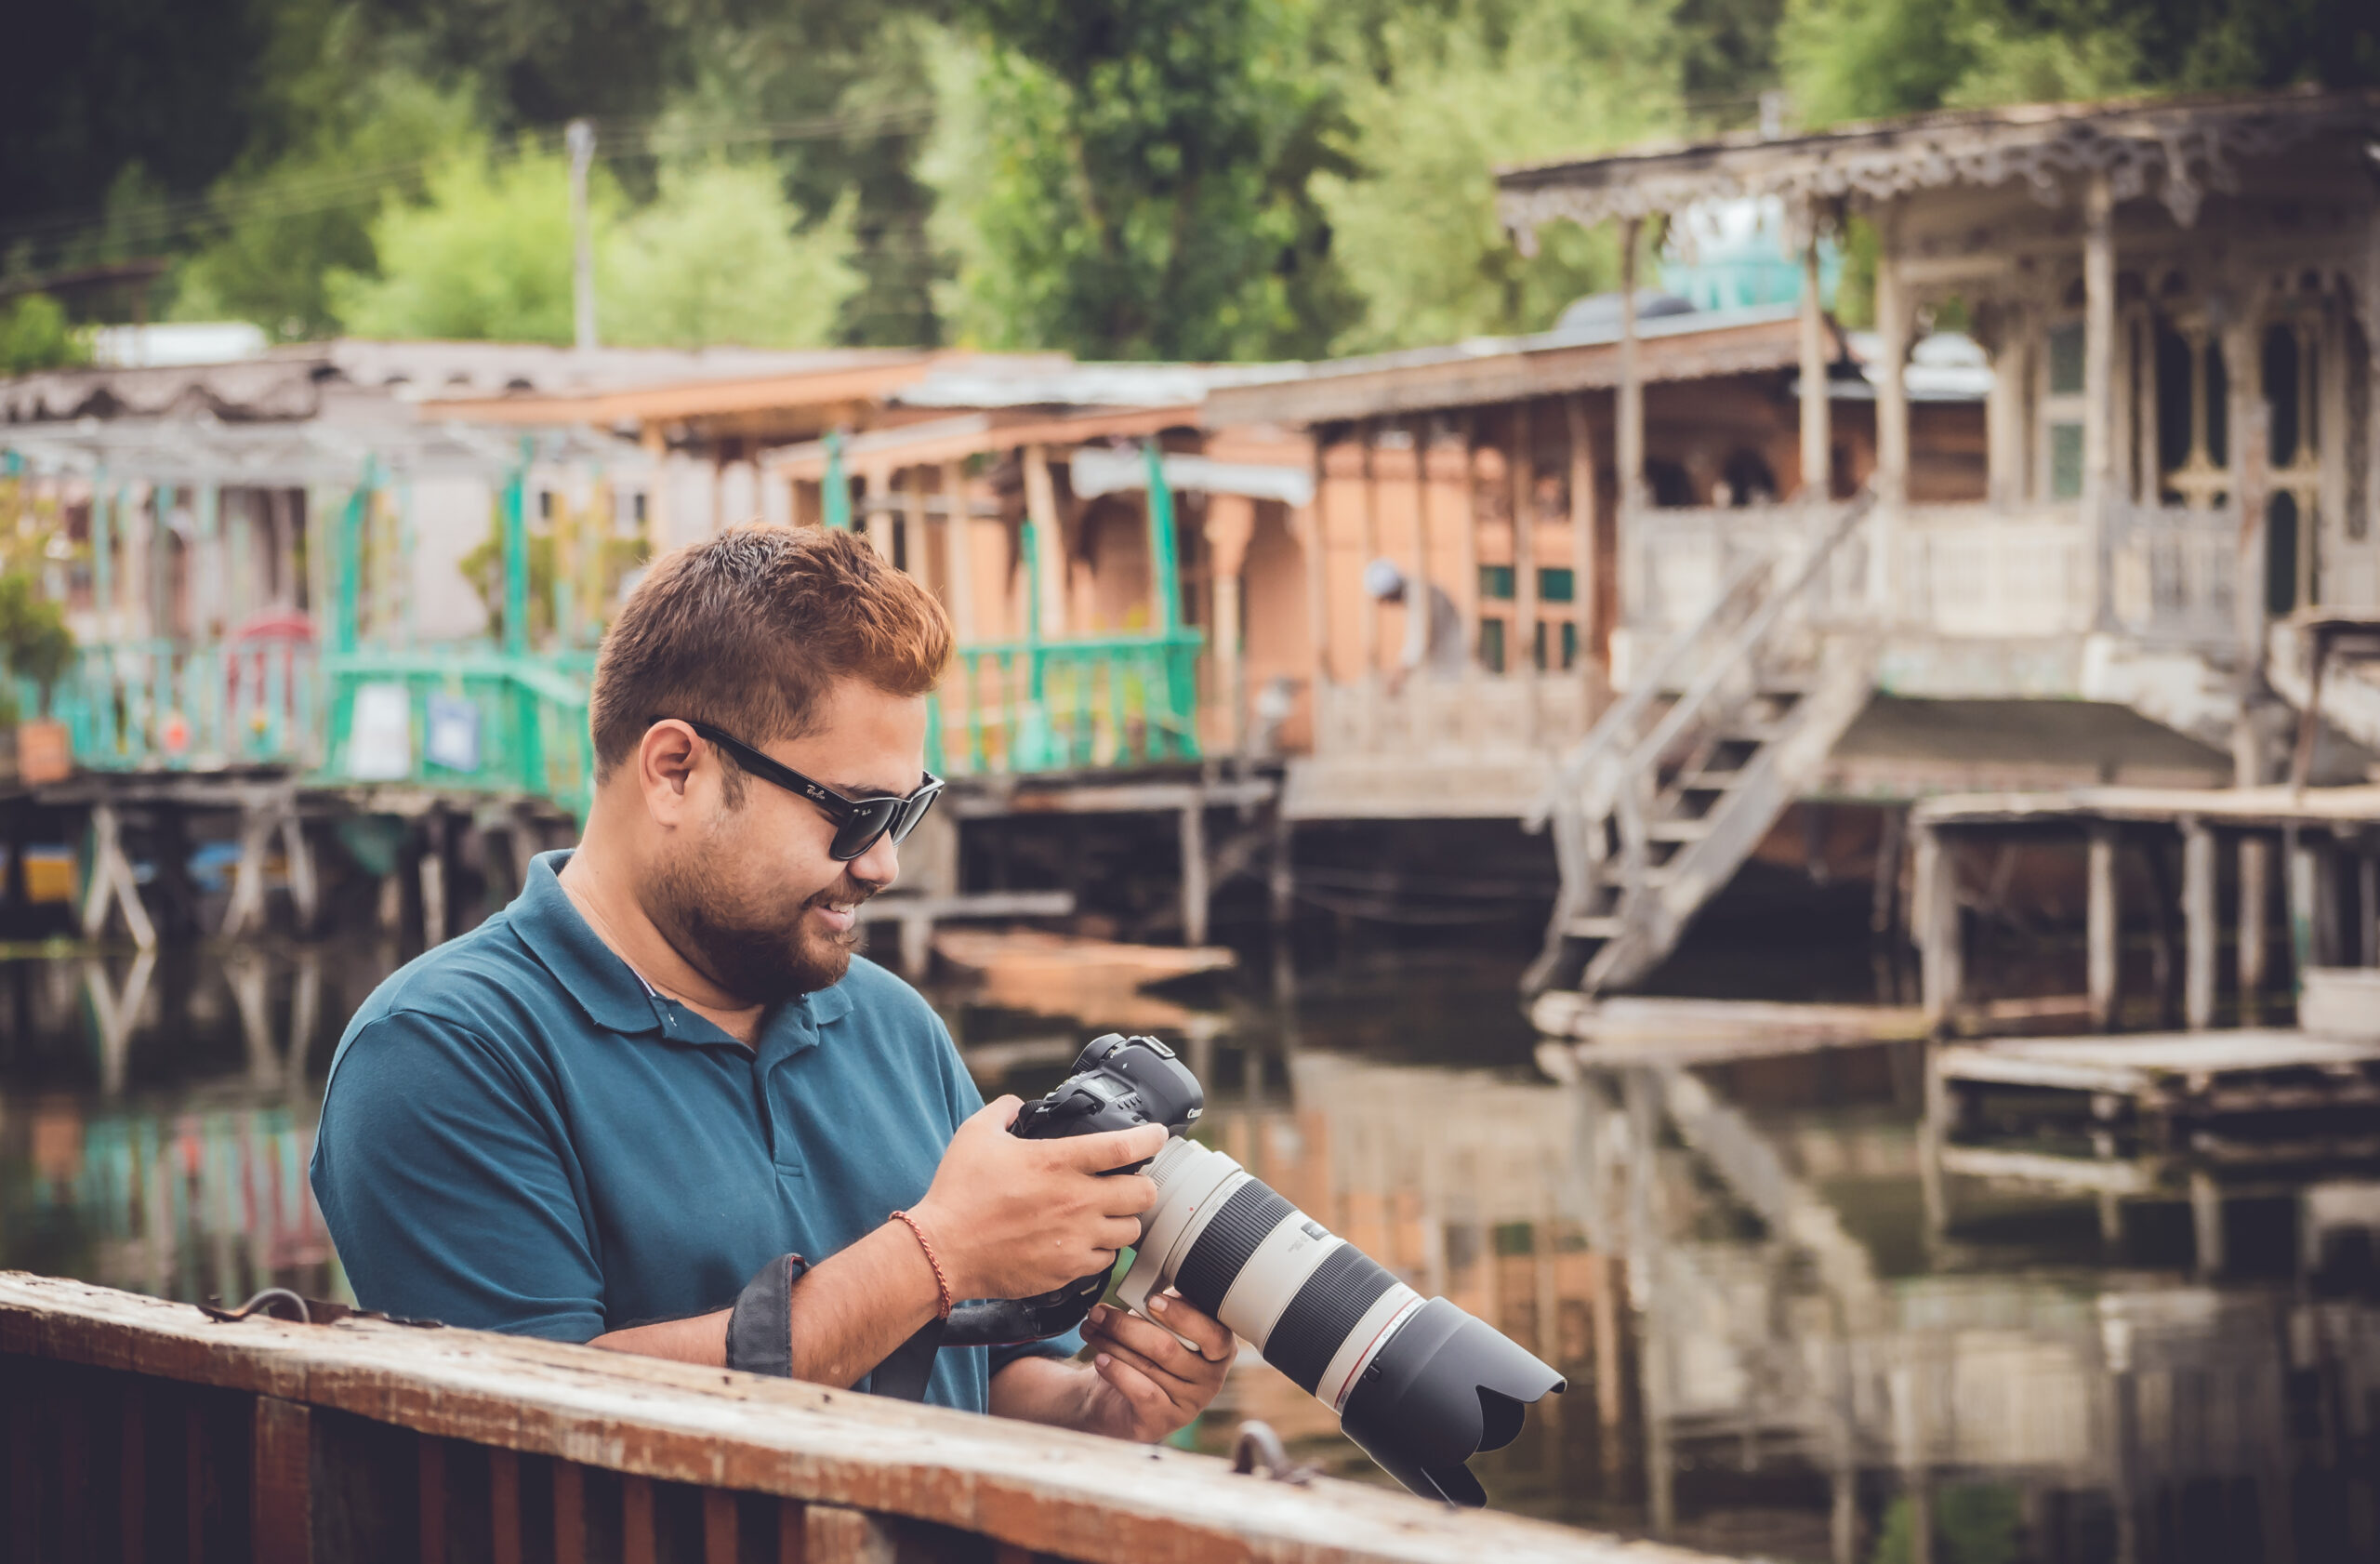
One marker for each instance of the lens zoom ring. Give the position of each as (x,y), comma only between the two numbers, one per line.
(1213,1262)
(1331,1303)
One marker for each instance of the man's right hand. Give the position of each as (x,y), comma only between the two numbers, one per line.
(1011,1218)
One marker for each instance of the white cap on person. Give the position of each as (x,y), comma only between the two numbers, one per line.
(1381,578)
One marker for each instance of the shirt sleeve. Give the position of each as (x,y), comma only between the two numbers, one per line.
(447,1192)
(965,1102)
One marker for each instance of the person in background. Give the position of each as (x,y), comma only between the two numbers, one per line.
(1433,640)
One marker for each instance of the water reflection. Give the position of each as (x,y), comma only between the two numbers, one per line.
(1776,1344)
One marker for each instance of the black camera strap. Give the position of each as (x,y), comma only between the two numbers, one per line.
(903,1375)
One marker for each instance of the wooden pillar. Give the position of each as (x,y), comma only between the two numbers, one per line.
(1628,434)
(657,539)
(913,527)
(2248,440)
(1817,428)
(2200,930)
(2098,378)
(2103,931)
(2305,881)
(2367,908)
(1584,597)
(958,552)
(1939,938)
(1230,521)
(1194,873)
(2207,1223)
(1049,542)
(2256,895)
(1467,590)
(1520,473)
(1368,434)
(1314,535)
(1893,325)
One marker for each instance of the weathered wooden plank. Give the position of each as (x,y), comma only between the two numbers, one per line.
(719,1526)
(1073,1495)
(280,1502)
(431,1466)
(638,1544)
(504,1505)
(2199,932)
(833,1534)
(570,1512)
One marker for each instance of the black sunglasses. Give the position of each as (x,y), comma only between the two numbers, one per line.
(859,823)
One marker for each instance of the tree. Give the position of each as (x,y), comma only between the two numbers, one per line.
(1137,181)
(716,259)
(1441,100)
(34,334)
(488,254)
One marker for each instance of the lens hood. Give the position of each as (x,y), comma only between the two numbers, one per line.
(1444,1388)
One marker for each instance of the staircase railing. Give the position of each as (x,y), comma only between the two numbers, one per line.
(1601,794)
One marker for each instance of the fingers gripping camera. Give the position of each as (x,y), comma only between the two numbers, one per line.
(1419,1383)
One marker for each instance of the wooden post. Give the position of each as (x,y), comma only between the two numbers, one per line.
(2098,378)
(2304,880)
(2102,927)
(1194,873)
(1893,324)
(959,553)
(656,491)
(875,511)
(1368,443)
(2367,908)
(1230,521)
(1584,598)
(1314,535)
(2248,455)
(913,529)
(1041,513)
(1520,474)
(1467,590)
(2207,1223)
(281,1496)
(1631,433)
(1939,942)
(2256,895)
(1817,428)
(2199,931)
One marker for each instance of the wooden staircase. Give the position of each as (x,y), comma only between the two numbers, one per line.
(1655,810)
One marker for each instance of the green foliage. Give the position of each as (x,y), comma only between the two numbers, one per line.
(715,258)
(35,642)
(1863,59)
(487,255)
(34,334)
(1137,181)
(1973,1524)
(1447,98)
(280,243)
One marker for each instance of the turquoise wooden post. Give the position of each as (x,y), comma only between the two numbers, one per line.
(405,545)
(1164,567)
(516,558)
(835,489)
(348,563)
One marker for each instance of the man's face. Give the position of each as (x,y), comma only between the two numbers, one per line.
(746,892)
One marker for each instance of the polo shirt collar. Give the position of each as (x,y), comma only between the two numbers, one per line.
(604,985)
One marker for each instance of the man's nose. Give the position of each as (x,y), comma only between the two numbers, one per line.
(878,866)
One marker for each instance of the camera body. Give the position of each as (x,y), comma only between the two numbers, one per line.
(1419,1383)
(1117,1084)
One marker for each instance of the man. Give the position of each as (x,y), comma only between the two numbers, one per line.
(1433,634)
(660,1071)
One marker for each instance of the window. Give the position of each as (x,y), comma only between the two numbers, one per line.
(1554,585)
(1569,647)
(1491,645)
(2066,360)
(2065,461)
(1496,582)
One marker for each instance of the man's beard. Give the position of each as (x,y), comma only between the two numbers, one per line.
(756,953)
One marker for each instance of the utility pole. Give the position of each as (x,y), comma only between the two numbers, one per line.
(580,139)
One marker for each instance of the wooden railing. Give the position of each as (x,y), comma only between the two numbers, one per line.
(1449,720)
(137,1428)
(1033,706)
(2172,573)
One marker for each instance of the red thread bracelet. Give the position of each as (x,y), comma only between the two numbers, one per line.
(932,1259)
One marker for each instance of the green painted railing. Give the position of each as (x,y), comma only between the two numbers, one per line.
(1069,705)
(472,719)
(160,706)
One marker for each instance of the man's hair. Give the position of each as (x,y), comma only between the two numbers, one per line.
(746,631)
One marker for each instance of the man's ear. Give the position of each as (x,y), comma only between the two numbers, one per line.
(666,761)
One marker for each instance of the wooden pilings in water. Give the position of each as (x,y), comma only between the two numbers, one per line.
(2328,839)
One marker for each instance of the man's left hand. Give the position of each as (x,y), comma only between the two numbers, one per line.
(1149,1383)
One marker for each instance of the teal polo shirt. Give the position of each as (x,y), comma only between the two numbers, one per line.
(517,1135)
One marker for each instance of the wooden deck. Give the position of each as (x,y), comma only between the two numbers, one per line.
(138,1427)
